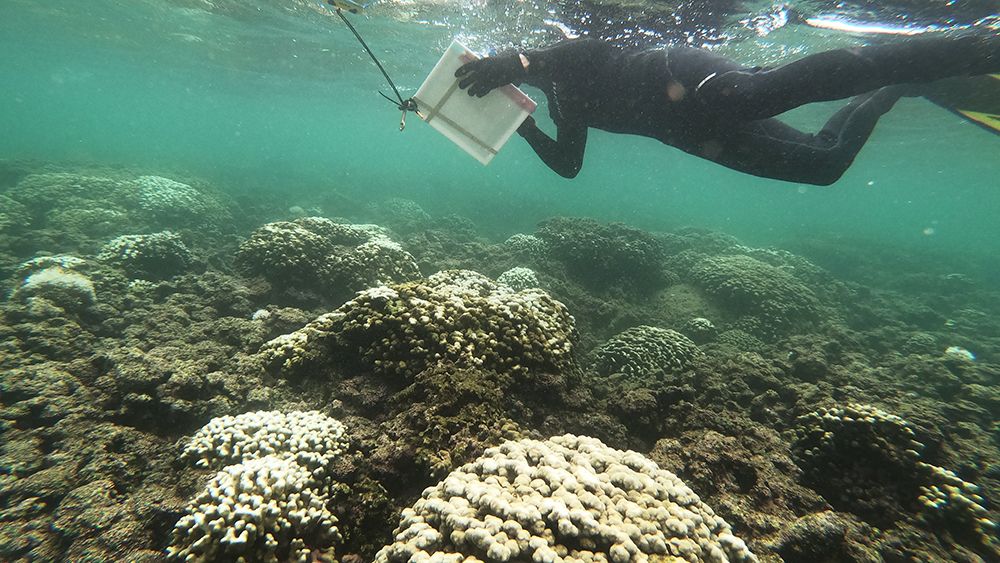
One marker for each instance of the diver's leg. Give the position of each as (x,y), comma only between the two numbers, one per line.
(772,149)
(832,75)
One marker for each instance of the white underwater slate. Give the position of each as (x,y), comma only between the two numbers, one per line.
(479,126)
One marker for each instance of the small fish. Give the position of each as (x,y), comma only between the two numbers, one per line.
(348,5)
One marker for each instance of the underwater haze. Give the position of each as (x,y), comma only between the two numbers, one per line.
(244,318)
(279,96)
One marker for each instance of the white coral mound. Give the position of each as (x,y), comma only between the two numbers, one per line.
(311,438)
(568,498)
(269,502)
(257,509)
(519,279)
(67,289)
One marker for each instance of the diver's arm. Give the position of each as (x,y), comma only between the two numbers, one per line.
(569,60)
(573,61)
(564,155)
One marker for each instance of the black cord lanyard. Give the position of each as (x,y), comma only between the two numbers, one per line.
(404,105)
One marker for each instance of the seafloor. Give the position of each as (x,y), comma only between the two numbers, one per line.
(836,401)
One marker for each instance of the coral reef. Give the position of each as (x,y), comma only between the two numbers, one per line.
(519,279)
(402,215)
(645,350)
(447,416)
(885,450)
(456,316)
(66,289)
(40,193)
(742,472)
(313,253)
(264,509)
(567,497)
(105,365)
(63,261)
(740,341)
(152,201)
(155,256)
(700,330)
(921,343)
(774,298)
(521,244)
(870,462)
(271,504)
(169,203)
(288,251)
(601,256)
(13,215)
(377,261)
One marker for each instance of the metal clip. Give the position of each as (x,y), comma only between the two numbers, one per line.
(405,106)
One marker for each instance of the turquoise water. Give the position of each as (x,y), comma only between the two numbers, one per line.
(279,96)
(836,402)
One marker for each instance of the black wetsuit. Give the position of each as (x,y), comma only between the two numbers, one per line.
(712,107)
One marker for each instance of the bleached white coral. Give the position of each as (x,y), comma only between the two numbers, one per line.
(64,261)
(568,498)
(959,353)
(526,245)
(309,437)
(69,290)
(270,504)
(265,509)
(519,278)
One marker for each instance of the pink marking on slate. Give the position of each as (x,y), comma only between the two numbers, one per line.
(519,98)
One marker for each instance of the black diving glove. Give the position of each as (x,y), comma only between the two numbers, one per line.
(483,75)
(527,126)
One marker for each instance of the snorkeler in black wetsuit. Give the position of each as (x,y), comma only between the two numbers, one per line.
(712,107)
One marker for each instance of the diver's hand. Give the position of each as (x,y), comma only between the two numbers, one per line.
(527,126)
(483,75)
